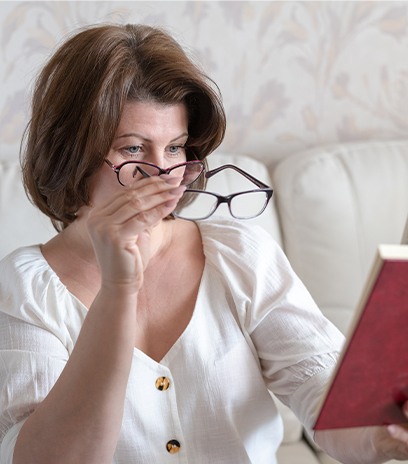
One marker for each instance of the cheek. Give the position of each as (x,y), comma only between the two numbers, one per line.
(102,185)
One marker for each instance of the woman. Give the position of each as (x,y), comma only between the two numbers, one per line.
(132,337)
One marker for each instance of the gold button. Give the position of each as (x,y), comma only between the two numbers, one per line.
(173,446)
(162,383)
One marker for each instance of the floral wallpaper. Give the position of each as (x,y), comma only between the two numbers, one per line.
(293,74)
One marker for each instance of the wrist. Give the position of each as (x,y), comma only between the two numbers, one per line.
(119,291)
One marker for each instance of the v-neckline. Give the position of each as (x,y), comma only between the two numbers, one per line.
(172,351)
(137,351)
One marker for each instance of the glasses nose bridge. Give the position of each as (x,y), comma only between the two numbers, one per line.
(164,170)
(220,200)
(128,171)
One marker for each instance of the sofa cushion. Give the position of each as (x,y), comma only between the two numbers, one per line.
(336,204)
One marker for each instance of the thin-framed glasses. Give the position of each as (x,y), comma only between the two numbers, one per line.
(129,171)
(247,204)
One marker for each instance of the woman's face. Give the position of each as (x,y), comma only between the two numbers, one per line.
(149,132)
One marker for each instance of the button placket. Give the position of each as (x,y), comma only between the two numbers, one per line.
(163,384)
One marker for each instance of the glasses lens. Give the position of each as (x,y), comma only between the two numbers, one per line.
(190,171)
(130,172)
(248,205)
(199,205)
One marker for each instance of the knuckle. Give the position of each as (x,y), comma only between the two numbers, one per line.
(144,218)
(135,202)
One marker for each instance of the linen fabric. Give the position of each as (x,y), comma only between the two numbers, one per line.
(255,329)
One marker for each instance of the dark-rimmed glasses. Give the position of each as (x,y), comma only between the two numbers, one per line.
(129,171)
(242,205)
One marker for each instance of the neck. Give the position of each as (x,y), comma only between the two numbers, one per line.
(76,238)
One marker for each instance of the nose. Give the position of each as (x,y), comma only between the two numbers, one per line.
(156,157)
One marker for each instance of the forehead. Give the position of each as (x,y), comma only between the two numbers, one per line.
(153,117)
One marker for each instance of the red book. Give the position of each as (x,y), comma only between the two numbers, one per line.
(371,379)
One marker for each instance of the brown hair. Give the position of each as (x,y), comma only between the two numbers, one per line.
(78,101)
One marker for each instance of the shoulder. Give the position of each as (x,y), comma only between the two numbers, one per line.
(233,233)
(31,294)
(240,240)
(27,284)
(20,274)
(22,263)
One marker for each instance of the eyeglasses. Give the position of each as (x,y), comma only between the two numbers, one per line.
(129,171)
(248,204)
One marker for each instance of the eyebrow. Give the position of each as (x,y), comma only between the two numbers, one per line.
(135,134)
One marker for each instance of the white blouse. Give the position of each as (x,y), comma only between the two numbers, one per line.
(254,327)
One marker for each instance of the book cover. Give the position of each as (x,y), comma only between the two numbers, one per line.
(371,380)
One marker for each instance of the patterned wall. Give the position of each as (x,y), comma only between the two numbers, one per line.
(294,74)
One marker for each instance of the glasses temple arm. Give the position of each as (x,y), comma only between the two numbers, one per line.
(253,179)
(144,173)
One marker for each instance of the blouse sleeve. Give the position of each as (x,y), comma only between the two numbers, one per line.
(296,346)
(31,360)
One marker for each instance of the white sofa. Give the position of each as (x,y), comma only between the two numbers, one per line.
(335,205)
(331,207)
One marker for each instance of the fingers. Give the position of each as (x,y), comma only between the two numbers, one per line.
(134,223)
(398,445)
(117,224)
(398,432)
(148,209)
(150,199)
(120,228)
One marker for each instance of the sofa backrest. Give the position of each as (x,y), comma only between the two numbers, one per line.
(336,204)
(22,224)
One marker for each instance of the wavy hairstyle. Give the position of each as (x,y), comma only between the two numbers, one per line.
(78,101)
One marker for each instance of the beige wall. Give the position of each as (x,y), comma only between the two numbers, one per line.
(293,74)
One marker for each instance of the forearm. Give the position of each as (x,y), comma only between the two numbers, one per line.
(80,419)
(353,446)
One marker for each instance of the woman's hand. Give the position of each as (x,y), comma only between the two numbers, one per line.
(373,445)
(121,229)
(392,441)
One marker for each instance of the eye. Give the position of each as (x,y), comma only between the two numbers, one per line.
(177,149)
(133,150)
